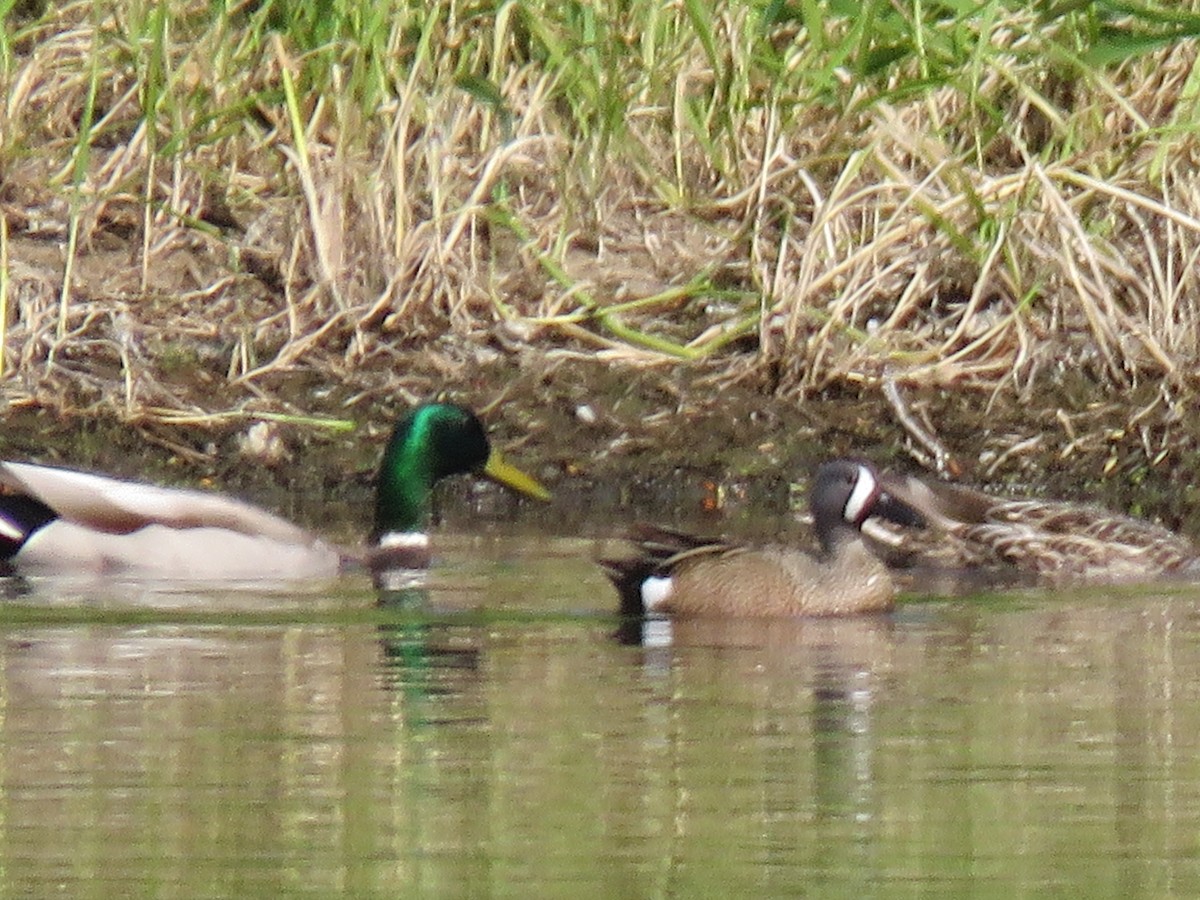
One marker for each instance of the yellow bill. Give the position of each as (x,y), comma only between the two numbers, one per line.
(513,478)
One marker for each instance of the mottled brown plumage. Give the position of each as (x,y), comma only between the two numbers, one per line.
(1036,541)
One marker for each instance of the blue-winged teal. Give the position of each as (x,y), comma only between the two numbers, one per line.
(681,575)
(55,520)
(1028,541)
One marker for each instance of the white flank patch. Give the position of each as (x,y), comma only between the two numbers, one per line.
(863,493)
(656,591)
(11,530)
(403,539)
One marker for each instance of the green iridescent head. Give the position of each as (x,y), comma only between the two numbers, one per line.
(433,441)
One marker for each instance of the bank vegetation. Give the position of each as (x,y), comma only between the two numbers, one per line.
(224,211)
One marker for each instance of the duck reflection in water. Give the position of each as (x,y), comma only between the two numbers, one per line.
(817,683)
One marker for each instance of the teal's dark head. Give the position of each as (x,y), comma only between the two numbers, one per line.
(433,441)
(845,493)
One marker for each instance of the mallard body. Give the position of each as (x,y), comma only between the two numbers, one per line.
(56,520)
(1032,541)
(680,575)
(88,523)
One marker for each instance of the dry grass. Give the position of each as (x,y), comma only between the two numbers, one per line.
(991,209)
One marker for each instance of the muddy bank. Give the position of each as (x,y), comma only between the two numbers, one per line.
(683,444)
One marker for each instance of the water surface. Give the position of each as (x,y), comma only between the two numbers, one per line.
(494,737)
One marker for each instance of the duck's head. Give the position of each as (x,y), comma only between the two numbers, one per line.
(845,493)
(434,441)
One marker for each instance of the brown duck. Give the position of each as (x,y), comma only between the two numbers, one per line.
(681,575)
(1046,542)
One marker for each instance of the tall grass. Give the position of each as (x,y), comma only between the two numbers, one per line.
(985,194)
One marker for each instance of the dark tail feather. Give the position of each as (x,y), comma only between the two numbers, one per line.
(627,576)
(657,549)
(655,546)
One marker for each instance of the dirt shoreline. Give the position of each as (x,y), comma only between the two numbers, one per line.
(614,441)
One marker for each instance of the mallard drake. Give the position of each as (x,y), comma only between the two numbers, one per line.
(682,575)
(1027,541)
(56,520)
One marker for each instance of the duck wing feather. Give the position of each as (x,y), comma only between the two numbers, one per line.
(118,506)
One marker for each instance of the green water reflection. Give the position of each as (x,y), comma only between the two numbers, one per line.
(1035,745)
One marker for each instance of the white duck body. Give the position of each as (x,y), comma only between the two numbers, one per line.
(107,526)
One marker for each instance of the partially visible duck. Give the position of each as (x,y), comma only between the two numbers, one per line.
(57,520)
(680,575)
(1047,542)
